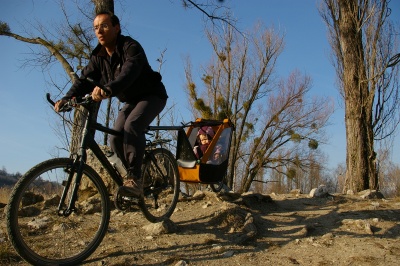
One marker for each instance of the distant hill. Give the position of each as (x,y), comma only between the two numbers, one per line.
(7,179)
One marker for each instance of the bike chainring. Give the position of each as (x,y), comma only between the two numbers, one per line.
(124,203)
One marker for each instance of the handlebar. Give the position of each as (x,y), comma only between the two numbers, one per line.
(78,100)
(70,104)
(99,85)
(49,99)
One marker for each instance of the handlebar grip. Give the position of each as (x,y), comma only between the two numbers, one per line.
(49,99)
(65,108)
(98,85)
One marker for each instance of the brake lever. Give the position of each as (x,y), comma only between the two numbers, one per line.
(64,108)
(67,107)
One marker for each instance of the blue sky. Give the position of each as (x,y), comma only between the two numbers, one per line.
(27,137)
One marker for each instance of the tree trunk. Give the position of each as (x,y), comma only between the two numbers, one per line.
(360,158)
(103,5)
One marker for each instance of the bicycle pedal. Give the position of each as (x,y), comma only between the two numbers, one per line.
(124,203)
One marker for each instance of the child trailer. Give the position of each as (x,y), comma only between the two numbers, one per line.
(203,151)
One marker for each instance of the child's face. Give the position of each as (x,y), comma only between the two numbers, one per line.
(203,139)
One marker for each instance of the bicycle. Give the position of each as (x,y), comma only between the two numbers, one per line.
(59,211)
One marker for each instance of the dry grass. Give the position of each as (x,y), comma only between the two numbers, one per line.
(5,194)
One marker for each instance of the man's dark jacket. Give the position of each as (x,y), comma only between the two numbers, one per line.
(127,73)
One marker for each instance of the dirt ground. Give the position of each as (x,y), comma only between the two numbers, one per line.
(254,229)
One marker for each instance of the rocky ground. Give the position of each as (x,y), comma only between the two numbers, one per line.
(253,229)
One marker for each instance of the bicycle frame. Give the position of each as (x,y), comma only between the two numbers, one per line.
(79,162)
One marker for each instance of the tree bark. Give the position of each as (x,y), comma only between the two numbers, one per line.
(103,5)
(360,155)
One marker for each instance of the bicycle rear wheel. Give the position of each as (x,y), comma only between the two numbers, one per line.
(39,233)
(160,185)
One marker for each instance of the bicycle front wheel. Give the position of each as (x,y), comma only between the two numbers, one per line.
(160,185)
(39,232)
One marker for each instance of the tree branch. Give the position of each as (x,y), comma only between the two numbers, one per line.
(212,17)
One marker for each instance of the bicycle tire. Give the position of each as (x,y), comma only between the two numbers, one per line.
(217,187)
(36,230)
(160,194)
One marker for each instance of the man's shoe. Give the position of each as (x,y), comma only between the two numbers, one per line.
(132,188)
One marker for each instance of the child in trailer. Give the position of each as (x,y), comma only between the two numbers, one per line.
(204,137)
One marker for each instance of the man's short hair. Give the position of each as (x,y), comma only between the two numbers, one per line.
(114,18)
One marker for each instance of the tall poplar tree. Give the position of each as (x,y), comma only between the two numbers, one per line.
(363,42)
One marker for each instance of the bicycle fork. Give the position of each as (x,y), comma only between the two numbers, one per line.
(76,170)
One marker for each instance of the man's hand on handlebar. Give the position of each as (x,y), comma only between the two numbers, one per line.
(59,104)
(99,94)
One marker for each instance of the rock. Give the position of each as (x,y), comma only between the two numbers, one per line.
(360,224)
(31,198)
(206,205)
(319,192)
(368,228)
(29,211)
(249,230)
(295,191)
(98,167)
(181,263)
(228,196)
(227,206)
(370,194)
(91,205)
(375,205)
(52,201)
(261,198)
(164,227)
(39,223)
(248,199)
(218,248)
(249,227)
(328,236)
(228,254)
(198,195)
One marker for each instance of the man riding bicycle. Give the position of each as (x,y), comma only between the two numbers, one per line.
(120,64)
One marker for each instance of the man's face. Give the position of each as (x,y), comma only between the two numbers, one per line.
(105,32)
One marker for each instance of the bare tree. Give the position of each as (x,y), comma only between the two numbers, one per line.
(274,120)
(213,11)
(390,180)
(363,40)
(71,48)
(339,176)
